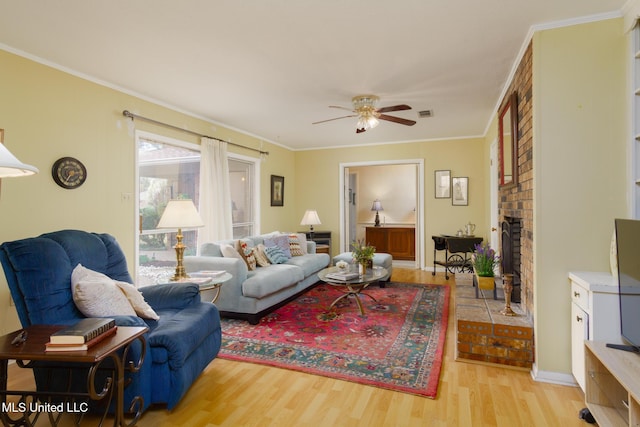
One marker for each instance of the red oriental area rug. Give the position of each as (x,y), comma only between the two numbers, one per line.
(397,345)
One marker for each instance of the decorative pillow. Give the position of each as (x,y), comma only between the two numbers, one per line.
(247,254)
(302,238)
(294,245)
(281,241)
(96,295)
(229,251)
(137,301)
(261,257)
(275,255)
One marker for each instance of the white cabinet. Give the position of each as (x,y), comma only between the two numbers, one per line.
(595,315)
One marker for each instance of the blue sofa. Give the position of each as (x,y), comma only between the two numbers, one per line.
(185,339)
(250,295)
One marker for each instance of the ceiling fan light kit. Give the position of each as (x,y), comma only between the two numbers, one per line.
(364,107)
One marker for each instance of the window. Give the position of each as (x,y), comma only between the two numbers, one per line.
(243,191)
(169,169)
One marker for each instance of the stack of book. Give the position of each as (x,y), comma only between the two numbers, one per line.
(81,336)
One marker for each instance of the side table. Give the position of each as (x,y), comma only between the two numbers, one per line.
(33,350)
(207,281)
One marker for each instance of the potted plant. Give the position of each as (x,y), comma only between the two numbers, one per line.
(484,261)
(362,254)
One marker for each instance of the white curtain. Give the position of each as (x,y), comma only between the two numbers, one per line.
(215,192)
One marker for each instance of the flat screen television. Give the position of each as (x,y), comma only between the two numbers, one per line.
(628,256)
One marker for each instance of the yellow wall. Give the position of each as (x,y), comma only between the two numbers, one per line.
(318,176)
(48,114)
(579,153)
(580,109)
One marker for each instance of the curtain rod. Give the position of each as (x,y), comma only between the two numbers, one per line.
(132,116)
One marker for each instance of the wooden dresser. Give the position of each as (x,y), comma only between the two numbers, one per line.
(399,242)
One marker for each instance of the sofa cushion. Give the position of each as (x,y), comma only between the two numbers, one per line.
(269,280)
(229,251)
(173,338)
(310,263)
(210,249)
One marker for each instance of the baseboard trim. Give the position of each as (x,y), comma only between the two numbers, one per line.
(552,377)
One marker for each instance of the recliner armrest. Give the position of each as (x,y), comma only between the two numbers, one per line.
(171,295)
(129,321)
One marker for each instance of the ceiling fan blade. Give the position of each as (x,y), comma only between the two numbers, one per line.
(397,120)
(394,108)
(336,118)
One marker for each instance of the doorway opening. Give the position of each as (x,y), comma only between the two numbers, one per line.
(396,187)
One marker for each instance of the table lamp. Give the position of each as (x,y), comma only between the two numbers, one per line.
(180,213)
(310,218)
(377,206)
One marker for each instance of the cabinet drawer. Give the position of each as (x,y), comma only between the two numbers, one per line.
(580,296)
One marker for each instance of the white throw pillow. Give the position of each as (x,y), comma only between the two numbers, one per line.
(302,238)
(137,301)
(97,295)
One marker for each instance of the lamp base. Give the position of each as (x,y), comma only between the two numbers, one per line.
(180,273)
(377,223)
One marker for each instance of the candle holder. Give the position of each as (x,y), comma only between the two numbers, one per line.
(508,288)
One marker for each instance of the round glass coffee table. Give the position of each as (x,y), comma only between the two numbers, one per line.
(351,286)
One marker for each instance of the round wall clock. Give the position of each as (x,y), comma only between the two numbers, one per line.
(68,172)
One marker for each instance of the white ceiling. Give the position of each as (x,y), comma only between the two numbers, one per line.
(272,67)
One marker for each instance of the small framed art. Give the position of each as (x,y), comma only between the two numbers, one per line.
(277,190)
(443,184)
(460,194)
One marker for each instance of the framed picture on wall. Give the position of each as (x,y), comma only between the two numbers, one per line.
(460,195)
(443,184)
(277,190)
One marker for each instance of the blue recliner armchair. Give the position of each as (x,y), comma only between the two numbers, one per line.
(185,339)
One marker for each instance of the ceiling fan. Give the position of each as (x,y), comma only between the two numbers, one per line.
(364,107)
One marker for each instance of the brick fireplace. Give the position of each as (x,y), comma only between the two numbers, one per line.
(482,333)
(515,203)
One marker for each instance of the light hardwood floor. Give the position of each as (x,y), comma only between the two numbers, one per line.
(244,394)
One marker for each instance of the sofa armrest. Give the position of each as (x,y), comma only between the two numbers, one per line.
(235,266)
(171,295)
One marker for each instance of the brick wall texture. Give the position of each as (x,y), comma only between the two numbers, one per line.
(517,201)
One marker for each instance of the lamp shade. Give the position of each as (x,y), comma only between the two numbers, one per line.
(310,218)
(377,205)
(10,166)
(180,213)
